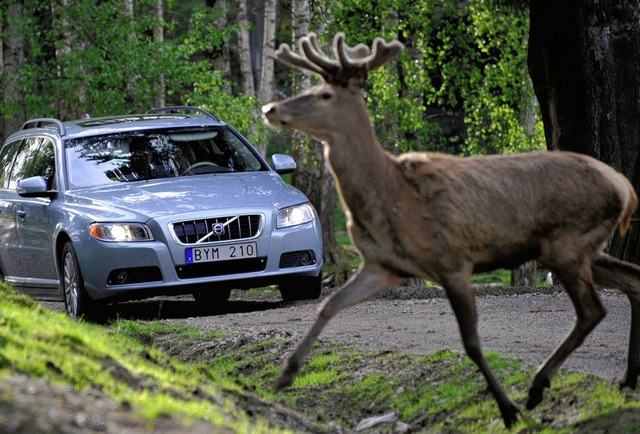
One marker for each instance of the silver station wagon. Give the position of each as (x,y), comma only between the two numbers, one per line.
(173,201)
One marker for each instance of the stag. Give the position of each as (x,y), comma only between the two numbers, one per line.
(443,218)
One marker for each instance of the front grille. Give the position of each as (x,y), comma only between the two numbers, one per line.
(217,229)
(221,268)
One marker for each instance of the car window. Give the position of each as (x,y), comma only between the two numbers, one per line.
(34,158)
(7,156)
(43,163)
(28,151)
(140,156)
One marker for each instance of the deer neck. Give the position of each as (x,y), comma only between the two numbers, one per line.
(361,167)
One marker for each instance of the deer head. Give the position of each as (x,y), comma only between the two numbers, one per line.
(323,108)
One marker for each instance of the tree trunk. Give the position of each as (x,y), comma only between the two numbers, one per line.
(222,63)
(267,75)
(584,61)
(13,60)
(3,13)
(246,66)
(524,275)
(158,39)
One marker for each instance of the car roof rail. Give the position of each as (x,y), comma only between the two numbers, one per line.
(41,122)
(186,108)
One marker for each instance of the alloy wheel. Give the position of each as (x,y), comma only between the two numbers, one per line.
(70,276)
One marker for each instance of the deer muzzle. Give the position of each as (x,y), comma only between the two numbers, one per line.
(272,116)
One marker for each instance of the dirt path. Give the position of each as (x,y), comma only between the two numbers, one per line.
(525,326)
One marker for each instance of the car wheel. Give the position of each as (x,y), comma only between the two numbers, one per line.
(77,301)
(212,295)
(301,288)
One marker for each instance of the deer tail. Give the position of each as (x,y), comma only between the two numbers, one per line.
(630,202)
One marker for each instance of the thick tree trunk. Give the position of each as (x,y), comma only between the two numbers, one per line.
(3,13)
(584,60)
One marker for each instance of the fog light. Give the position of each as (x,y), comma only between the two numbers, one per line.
(305,258)
(121,276)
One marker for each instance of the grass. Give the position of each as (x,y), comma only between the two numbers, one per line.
(339,385)
(45,344)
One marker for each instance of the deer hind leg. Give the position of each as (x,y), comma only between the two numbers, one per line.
(461,298)
(368,281)
(589,310)
(614,273)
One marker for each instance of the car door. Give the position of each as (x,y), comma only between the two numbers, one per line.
(33,228)
(9,263)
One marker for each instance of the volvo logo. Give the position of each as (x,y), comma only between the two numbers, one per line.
(217,229)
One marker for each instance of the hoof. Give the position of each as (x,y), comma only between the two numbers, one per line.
(536,392)
(510,415)
(535,397)
(628,384)
(287,376)
(283,382)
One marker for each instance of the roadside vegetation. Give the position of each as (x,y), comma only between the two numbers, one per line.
(167,374)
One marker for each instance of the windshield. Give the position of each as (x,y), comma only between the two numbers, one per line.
(140,156)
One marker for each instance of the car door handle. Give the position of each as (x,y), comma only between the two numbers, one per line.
(21,213)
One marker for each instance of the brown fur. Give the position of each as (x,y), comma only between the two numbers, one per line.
(443,217)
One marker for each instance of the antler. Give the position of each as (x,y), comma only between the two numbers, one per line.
(351,64)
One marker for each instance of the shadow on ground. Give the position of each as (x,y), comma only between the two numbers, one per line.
(173,307)
(183,308)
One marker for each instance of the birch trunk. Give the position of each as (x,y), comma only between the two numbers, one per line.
(266,89)
(246,67)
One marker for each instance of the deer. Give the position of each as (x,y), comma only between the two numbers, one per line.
(444,218)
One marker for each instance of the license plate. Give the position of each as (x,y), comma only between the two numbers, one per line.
(228,252)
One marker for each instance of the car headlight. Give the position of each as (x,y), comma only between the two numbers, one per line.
(295,215)
(118,232)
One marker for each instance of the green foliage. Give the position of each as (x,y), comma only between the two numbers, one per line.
(462,84)
(107,62)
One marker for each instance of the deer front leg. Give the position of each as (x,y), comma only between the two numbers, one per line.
(461,297)
(368,281)
(589,312)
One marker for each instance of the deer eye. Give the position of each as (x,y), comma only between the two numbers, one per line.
(326,95)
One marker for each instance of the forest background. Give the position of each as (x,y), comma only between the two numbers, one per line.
(462,85)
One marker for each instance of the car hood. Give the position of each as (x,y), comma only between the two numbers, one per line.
(169,196)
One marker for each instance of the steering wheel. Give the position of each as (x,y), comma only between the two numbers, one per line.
(197,165)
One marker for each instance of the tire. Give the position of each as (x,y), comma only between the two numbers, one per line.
(77,301)
(212,295)
(301,288)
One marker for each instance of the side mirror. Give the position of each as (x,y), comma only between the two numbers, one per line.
(36,186)
(283,163)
